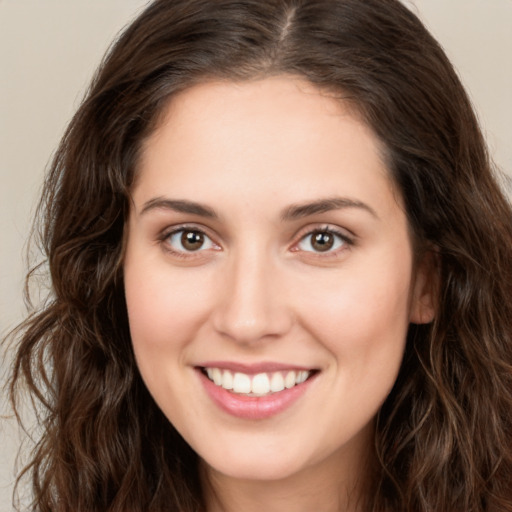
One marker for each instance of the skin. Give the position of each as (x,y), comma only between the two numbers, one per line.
(259,291)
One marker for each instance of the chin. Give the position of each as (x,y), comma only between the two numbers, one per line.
(257,470)
(258,466)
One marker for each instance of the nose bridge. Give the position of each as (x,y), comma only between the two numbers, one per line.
(251,303)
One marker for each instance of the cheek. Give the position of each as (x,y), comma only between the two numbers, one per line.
(165,310)
(361,314)
(363,325)
(164,314)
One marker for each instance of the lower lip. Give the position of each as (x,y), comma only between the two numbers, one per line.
(253,407)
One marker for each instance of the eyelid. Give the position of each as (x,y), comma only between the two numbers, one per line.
(345,235)
(166,233)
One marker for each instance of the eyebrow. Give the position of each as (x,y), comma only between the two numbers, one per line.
(292,212)
(298,211)
(178,205)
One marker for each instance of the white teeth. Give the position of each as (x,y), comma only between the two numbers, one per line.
(241,383)
(217,376)
(289,380)
(258,385)
(301,377)
(227,380)
(276,382)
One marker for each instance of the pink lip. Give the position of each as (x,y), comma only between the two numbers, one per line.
(252,407)
(252,369)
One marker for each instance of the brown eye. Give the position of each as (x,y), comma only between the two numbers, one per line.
(189,240)
(192,240)
(322,241)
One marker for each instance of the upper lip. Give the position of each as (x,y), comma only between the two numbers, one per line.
(254,368)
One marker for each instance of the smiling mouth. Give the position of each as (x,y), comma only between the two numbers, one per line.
(259,384)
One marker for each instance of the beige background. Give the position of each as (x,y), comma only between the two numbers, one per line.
(49,49)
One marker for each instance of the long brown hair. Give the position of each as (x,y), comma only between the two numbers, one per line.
(444,435)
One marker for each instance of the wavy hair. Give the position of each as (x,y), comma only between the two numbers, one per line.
(444,435)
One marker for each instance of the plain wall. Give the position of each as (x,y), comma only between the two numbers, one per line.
(48,51)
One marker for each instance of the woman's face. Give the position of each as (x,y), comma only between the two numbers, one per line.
(269,277)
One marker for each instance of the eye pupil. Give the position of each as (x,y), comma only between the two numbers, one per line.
(192,240)
(322,241)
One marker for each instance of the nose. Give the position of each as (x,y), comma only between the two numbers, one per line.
(252,303)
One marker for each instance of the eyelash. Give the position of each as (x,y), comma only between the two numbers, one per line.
(167,234)
(345,240)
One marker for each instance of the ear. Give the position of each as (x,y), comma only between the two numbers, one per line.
(424,293)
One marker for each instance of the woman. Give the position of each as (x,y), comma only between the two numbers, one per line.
(281,272)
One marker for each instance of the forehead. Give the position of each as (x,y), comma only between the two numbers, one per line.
(282,103)
(262,135)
